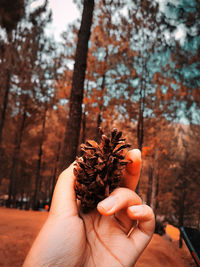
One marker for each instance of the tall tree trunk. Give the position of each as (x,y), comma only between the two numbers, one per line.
(99,117)
(55,172)
(38,171)
(149,189)
(5,103)
(83,127)
(140,130)
(15,162)
(8,61)
(140,124)
(154,182)
(181,214)
(3,113)
(76,97)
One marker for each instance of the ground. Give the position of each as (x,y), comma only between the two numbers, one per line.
(18,229)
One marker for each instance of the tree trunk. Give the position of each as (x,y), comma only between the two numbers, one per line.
(181,214)
(83,128)
(140,128)
(37,178)
(76,97)
(140,135)
(99,117)
(5,103)
(3,113)
(55,173)
(15,162)
(140,124)
(154,182)
(149,190)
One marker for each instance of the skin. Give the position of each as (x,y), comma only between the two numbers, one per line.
(100,238)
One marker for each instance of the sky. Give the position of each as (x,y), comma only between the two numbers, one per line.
(180,32)
(64,12)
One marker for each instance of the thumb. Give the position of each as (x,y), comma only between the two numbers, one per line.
(64,198)
(131,173)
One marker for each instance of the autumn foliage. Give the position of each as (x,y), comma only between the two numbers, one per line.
(136,80)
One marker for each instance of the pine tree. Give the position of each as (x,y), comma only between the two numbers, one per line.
(11,13)
(76,96)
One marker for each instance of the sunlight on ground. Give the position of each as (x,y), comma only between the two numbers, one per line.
(172,231)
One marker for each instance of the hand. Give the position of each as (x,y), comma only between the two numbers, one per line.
(100,238)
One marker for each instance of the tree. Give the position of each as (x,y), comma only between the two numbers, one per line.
(11,13)
(39,162)
(187,182)
(31,88)
(16,157)
(179,76)
(71,139)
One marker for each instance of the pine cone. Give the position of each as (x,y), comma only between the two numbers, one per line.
(98,172)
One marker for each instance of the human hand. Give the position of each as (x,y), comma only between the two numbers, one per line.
(99,238)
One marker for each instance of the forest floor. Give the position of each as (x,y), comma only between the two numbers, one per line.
(18,228)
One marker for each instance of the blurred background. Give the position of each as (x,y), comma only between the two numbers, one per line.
(141,74)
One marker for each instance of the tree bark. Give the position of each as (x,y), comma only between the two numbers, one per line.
(15,162)
(55,172)
(76,97)
(140,126)
(37,178)
(99,117)
(149,189)
(140,131)
(3,113)
(140,123)
(5,103)
(154,182)
(83,128)
(181,214)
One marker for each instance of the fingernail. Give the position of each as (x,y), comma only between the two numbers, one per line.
(135,209)
(108,203)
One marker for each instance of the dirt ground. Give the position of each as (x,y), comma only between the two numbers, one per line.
(18,229)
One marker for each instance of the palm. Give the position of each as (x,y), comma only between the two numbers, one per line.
(106,241)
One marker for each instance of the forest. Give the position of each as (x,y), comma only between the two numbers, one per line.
(130,65)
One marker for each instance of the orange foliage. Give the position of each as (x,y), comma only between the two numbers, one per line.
(196,94)
(64,91)
(183,91)
(170,93)
(158,78)
(146,151)
(164,151)
(133,73)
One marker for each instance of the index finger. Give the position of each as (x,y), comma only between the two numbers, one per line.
(131,173)
(64,198)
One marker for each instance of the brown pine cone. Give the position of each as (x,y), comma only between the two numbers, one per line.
(98,172)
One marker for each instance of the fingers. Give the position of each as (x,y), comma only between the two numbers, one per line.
(117,203)
(119,199)
(141,235)
(145,217)
(132,172)
(125,201)
(64,198)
